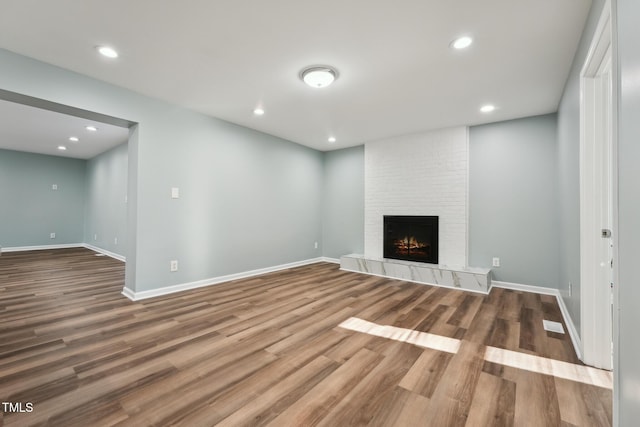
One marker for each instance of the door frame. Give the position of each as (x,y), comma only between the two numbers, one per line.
(596,298)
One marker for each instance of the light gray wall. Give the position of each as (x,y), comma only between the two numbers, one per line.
(30,210)
(343,202)
(513,201)
(569,172)
(248,200)
(626,366)
(105,223)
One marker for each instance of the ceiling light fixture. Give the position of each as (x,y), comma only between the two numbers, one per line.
(319,76)
(73,139)
(487,108)
(258,111)
(62,147)
(107,51)
(462,42)
(91,128)
(331,139)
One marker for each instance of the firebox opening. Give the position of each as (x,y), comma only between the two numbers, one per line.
(411,238)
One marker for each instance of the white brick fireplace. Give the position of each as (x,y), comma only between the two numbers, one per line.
(421,174)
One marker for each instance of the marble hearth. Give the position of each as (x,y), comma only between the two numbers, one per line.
(468,278)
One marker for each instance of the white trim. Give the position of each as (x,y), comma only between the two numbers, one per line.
(136,296)
(42,247)
(331,260)
(573,332)
(129,293)
(63,246)
(414,281)
(105,252)
(525,288)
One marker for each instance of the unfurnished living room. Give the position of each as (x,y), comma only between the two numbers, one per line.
(285,213)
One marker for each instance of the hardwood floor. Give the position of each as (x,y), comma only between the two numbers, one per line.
(269,350)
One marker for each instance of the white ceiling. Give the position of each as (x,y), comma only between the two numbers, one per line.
(398,74)
(36,130)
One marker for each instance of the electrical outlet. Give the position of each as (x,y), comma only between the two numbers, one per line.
(115,240)
(496,262)
(315,245)
(52,235)
(54,187)
(174,265)
(175,193)
(95,237)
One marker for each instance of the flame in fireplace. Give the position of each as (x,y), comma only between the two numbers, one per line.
(408,244)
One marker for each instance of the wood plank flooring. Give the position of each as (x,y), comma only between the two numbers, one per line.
(269,350)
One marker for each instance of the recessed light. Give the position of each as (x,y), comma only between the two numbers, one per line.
(73,139)
(107,51)
(331,139)
(462,42)
(487,108)
(318,77)
(258,111)
(61,147)
(91,128)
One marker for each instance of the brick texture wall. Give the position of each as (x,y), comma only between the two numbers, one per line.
(421,174)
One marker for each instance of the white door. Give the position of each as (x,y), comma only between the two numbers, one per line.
(596,202)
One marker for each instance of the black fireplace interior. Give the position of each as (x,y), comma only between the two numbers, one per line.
(411,238)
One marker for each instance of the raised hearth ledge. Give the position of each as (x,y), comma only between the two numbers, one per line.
(467,278)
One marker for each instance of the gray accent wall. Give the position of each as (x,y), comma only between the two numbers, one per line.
(30,210)
(627,346)
(247,200)
(105,224)
(513,200)
(343,202)
(569,172)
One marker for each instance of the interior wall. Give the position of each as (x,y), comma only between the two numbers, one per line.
(569,172)
(627,350)
(105,224)
(30,210)
(513,202)
(343,202)
(247,200)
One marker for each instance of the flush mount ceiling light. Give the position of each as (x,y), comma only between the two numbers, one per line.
(107,51)
(487,108)
(462,42)
(91,128)
(331,139)
(73,139)
(258,111)
(319,76)
(62,147)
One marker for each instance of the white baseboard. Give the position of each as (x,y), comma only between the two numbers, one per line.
(42,247)
(63,246)
(105,252)
(137,296)
(573,332)
(525,288)
(331,260)
(129,293)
